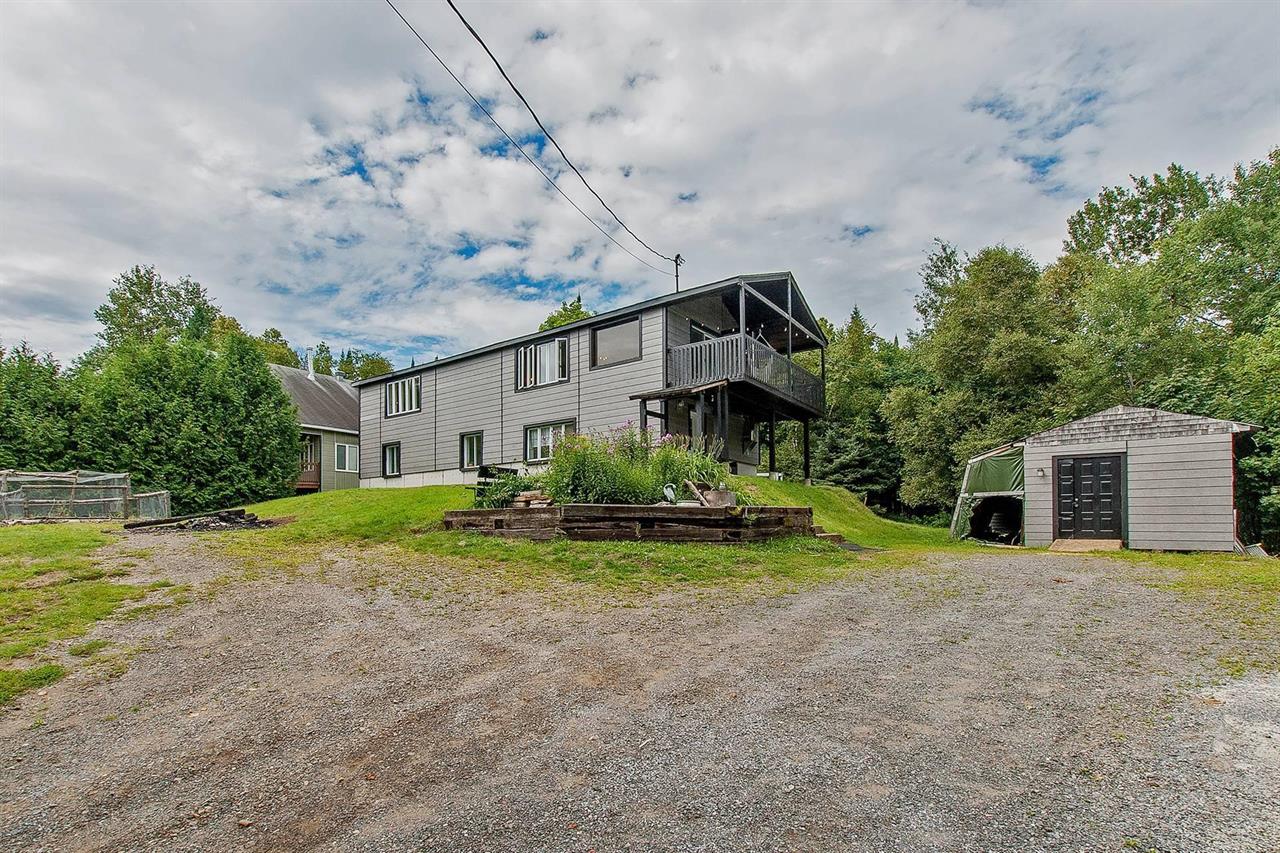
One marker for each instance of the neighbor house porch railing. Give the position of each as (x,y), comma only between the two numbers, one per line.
(736,357)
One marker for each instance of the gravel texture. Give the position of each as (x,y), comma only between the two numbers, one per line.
(1000,702)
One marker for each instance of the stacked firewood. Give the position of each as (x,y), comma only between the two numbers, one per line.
(535,498)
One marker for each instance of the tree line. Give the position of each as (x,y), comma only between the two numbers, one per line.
(175,392)
(1166,294)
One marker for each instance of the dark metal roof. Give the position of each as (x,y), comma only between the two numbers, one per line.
(323,401)
(665,299)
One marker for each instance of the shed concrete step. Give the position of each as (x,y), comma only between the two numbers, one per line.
(1080,546)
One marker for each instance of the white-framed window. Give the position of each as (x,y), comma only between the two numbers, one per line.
(540,441)
(471,450)
(543,363)
(391,460)
(346,458)
(403,396)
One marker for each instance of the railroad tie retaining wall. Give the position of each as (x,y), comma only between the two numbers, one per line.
(603,522)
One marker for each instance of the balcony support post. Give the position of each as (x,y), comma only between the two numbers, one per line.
(699,414)
(742,330)
(773,440)
(723,411)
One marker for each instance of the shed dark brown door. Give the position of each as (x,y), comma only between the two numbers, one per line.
(1087,499)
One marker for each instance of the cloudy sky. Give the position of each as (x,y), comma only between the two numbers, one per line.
(317,171)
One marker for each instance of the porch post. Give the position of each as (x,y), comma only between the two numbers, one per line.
(742,330)
(699,413)
(724,420)
(808,481)
(773,440)
(644,415)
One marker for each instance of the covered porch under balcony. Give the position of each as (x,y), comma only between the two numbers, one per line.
(741,358)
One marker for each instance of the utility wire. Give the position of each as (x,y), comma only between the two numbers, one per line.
(518,147)
(547,133)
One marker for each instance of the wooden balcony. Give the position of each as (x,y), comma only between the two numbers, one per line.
(309,476)
(742,358)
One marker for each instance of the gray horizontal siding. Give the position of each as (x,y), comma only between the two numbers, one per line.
(468,399)
(606,392)
(1180,491)
(478,395)
(330,477)
(1038,491)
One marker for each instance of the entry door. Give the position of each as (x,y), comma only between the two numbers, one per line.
(1087,499)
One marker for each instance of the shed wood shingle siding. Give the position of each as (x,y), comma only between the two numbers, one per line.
(1178,470)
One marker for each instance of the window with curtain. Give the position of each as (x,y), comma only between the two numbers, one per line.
(391,460)
(540,441)
(472,449)
(403,396)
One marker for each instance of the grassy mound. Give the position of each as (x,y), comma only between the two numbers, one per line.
(840,511)
(410,519)
(393,515)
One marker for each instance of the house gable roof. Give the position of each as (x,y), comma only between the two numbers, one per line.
(1133,422)
(665,299)
(324,402)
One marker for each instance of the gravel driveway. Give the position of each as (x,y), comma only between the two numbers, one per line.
(998,702)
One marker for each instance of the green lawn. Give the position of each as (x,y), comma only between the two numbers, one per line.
(839,511)
(50,589)
(410,519)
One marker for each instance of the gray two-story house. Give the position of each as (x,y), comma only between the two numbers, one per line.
(714,363)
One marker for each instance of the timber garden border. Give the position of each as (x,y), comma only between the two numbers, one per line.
(627,522)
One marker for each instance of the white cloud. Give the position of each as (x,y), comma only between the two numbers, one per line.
(835,140)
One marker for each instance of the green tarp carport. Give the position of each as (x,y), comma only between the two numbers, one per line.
(996,472)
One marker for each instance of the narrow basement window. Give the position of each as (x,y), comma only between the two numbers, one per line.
(391,460)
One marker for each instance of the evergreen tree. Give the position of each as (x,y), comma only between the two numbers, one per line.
(37,412)
(356,364)
(322,359)
(214,428)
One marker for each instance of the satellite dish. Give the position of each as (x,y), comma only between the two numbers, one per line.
(669,492)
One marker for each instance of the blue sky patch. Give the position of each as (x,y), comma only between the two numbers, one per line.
(856,233)
(689,197)
(1039,164)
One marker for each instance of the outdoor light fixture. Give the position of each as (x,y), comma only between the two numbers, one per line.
(1039,472)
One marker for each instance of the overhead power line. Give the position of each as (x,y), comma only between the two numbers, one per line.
(547,133)
(550,180)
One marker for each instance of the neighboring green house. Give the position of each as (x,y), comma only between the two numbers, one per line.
(329,414)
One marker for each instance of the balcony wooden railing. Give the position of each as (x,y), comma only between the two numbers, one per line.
(736,357)
(309,476)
